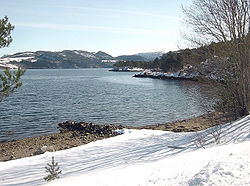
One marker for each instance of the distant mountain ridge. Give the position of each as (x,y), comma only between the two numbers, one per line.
(151,55)
(67,59)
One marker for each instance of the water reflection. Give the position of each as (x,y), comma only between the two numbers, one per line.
(49,97)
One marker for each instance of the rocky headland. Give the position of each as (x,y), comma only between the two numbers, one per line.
(207,69)
(126,69)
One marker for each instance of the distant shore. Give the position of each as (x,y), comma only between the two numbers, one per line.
(126,69)
(65,140)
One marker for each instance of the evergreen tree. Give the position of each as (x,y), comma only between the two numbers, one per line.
(5,31)
(53,170)
(9,81)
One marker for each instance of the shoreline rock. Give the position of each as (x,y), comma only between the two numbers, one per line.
(126,69)
(208,69)
(172,76)
(72,134)
(88,128)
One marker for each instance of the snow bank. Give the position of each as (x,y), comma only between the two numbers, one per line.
(224,165)
(144,157)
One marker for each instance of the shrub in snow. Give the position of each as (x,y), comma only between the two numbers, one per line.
(200,141)
(53,170)
(216,133)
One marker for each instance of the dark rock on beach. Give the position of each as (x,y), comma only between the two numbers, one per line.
(72,134)
(87,128)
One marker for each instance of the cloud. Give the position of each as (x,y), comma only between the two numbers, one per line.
(137,13)
(119,30)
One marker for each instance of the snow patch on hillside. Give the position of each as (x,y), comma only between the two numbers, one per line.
(84,54)
(6,65)
(5,61)
(14,59)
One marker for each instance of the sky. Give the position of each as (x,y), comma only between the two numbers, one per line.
(116,27)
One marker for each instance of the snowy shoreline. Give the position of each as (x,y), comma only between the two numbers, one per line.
(30,146)
(143,157)
(126,69)
(161,75)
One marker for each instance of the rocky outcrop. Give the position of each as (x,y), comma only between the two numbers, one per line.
(72,134)
(126,69)
(88,128)
(185,74)
(208,69)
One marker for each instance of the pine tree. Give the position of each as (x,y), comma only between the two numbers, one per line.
(9,81)
(5,32)
(53,170)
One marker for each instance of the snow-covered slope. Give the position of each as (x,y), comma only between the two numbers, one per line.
(151,55)
(11,60)
(63,59)
(145,157)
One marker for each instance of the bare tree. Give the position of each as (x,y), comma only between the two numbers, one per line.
(226,23)
(216,133)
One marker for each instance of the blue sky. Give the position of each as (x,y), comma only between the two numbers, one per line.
(113,26)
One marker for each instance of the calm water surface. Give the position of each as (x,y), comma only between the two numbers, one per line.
(49,97)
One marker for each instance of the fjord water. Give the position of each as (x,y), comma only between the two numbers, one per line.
(49,97)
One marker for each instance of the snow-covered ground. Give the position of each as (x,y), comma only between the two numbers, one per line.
(145,157)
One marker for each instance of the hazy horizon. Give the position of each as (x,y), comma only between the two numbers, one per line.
(117,28)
